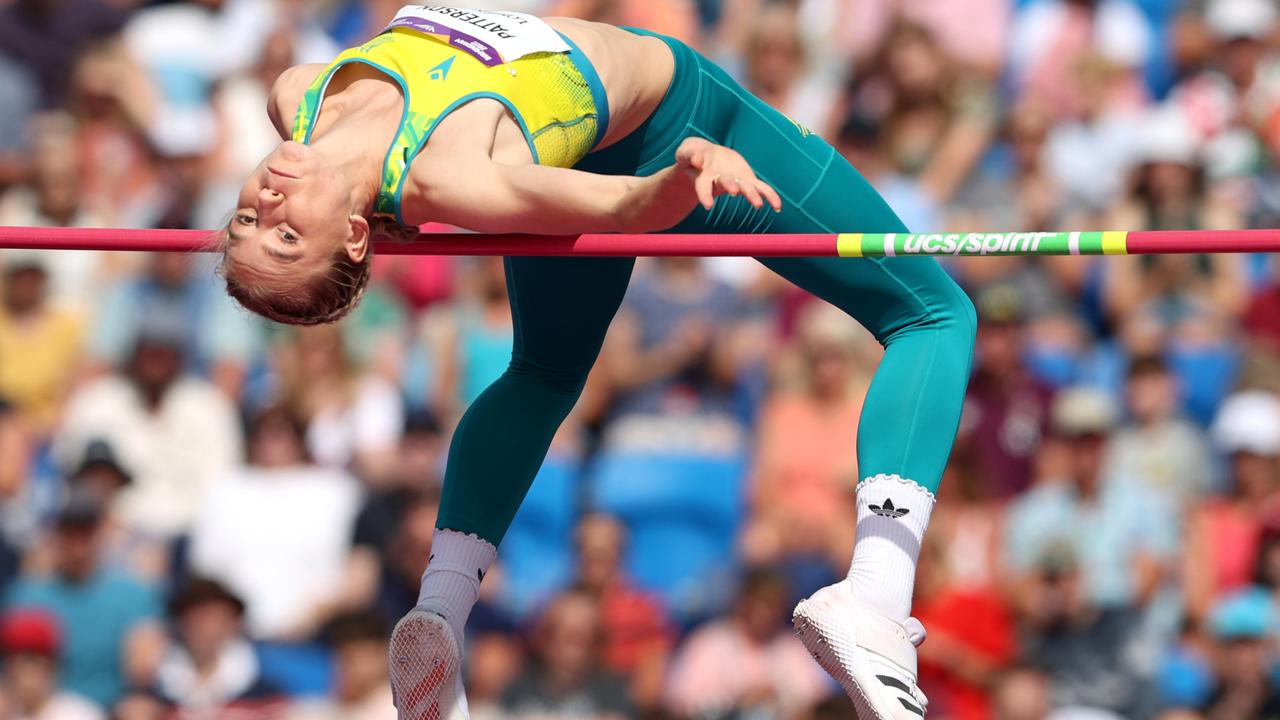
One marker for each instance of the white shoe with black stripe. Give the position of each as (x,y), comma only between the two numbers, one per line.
(871,656)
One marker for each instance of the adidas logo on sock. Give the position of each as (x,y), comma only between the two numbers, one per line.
(888,510)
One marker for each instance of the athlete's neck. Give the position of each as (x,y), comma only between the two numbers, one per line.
(356,125)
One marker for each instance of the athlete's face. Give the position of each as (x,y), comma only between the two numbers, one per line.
(294,215)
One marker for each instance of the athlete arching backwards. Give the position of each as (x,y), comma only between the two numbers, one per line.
(504,122)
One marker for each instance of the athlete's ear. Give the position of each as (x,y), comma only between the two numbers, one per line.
(357,243)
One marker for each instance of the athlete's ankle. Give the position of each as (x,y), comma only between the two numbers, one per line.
(893,514)
(451,583)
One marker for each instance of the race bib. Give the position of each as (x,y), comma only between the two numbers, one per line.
(492,38)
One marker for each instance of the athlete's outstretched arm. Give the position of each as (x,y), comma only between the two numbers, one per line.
(471,190)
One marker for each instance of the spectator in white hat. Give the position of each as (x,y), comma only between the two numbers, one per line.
(1094,514)
(1224,531)
(1230,102)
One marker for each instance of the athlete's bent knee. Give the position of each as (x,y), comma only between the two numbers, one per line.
(565,382)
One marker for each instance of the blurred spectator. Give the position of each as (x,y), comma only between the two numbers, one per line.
(1021,693)
(212,670)
(419,464)
(471,339)
(1049,39)
(362,689)
(139,704)
(859,141)
(495,657)
(353,418)
(1089,153)
(1086,652)
(934,121)
(806,462)
(1231,100)
(1007,409)
(176,432)
(669,350)
(178,291)
(18,85)
(636,635)
(40,343)
(1243,627)
(278,532)
(17,526)
(1169,192)
(777,71)
(1121,536)
(405,557)
(677,18)
(971,633)
(55,195)
(109,621)
(99,473)
(1157,447)
(32,643)
(748,662)
(565,679)
(1261,319)
(1221,548)
(973,32)
(1037,199)
(47,36)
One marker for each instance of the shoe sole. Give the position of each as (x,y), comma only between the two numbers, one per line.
(817,645)
(424,659)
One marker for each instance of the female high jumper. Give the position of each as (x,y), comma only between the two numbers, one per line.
(507,123)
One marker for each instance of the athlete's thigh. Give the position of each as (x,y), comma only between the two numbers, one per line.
(884,294)
(562,307)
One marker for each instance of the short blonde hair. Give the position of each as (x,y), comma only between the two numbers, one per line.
(324,297)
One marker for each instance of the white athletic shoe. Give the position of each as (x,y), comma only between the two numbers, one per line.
(872,657)
(425,661)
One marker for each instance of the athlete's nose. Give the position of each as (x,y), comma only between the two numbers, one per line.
(268,202)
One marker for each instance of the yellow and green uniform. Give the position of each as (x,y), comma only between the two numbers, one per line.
(546,83)
(562,306)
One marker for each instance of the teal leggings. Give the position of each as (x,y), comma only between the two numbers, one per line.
(562,306)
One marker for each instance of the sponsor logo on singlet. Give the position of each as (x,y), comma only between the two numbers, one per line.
(491,37)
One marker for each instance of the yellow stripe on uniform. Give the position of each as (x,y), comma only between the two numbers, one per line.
(849,244)
(1115,243)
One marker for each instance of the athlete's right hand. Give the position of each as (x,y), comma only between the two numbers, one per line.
(717,170)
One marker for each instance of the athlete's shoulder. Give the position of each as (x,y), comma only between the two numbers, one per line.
(286,95)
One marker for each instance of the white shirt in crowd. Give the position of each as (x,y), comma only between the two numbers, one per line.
(174,453)
(279,539)
(66,706)
(372,423)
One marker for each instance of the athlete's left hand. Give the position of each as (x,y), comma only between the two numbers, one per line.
(716,170)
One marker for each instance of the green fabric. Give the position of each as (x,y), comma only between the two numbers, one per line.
(563,306)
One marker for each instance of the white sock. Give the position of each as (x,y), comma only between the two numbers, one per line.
(892,516)
(451,582)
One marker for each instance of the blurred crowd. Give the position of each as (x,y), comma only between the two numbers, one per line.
(205,516)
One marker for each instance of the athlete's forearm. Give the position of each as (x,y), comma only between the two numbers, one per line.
(656,202)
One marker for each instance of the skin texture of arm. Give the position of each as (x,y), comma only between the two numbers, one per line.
(286,95)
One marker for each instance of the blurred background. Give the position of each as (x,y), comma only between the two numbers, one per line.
(205,516)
